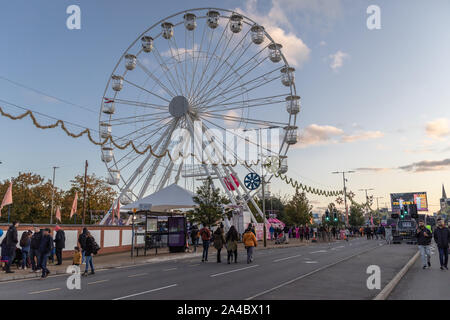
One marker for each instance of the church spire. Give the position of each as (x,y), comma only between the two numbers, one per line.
(444,196)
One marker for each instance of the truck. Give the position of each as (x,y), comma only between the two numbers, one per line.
(405,231)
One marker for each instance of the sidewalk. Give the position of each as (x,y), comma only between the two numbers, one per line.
(428,284)
(123,259)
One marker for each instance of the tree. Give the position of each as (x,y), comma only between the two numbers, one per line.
(209,204)
(298,211)
(99,197)
(356,216)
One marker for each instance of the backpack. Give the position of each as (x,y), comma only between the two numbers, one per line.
(95,247)
(205,234)
(23,239)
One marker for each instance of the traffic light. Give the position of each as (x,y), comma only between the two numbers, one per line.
(404,211)
(327,216)
(335,218)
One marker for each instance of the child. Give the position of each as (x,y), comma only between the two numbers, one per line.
(76,257)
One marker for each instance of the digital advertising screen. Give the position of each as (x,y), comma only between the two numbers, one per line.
(400,199)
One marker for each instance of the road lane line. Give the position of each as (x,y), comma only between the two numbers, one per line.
(319,251)
(99,281)
(48,290)
(137,275)
(141,293)
(309,273)
(235,270)
(277,260)
(170,269)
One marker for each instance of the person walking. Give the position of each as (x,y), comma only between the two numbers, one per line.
(271,231)
(82,241)
(306,232)
(219,241)
(442,239)
(286,233)
(34,249)
(194,237)
(11,243)
(205,234)
(423,241)
(25,243)
(91,248)
(231,244)
(60,244)
(250,243)
(45,248)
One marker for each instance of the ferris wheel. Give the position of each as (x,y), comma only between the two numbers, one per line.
(213,66)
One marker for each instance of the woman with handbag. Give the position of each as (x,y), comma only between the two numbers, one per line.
(231,244)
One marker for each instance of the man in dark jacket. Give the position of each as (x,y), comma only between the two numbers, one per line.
(11,243)
(34,249)
(90,250)
(60,243)
(45,248)
(82,241)
(423,241)
(442,238)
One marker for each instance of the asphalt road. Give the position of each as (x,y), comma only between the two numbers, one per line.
(319,271)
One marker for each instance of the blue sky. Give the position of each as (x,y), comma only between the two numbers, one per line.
(374,100)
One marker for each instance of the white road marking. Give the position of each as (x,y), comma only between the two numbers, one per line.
(48,290)
(137,275)
(99,281)
(141,293)
(320,251)
(308,274)
(311,262)
(235,270)
(277,260)
(170,269)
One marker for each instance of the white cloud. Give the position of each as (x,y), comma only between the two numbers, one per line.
(315,134)
(438,128)
(276,24)
(337,60)
(366,135)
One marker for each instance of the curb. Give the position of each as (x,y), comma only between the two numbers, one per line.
(384,294)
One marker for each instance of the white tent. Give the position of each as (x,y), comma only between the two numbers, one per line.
(171,197)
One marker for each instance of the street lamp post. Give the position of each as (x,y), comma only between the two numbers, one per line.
(367,199)
(345,193)
(53,195)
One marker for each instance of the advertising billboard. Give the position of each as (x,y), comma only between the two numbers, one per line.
(400,199)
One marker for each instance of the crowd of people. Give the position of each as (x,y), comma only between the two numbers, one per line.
(37,248)
(219,239)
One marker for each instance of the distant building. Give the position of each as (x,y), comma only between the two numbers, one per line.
(444,202)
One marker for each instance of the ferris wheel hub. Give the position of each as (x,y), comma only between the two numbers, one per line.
(179,106)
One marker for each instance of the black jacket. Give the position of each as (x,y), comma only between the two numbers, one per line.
(46,245)
(82,239)
(442,237)
(11,237)
(90,246)
(421,239)
(60,239)
(36,240)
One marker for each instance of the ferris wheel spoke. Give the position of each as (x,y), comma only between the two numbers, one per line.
(261,84)
(166,71)
(176,58)
(155,128)
(138,116)
(221,62)
(248,103)
(140,104)
(142,120)
(200,83)
(248,120)
(253,58)
(230,69)
(196,61)
(155,164)
(146,90)
(154,78)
